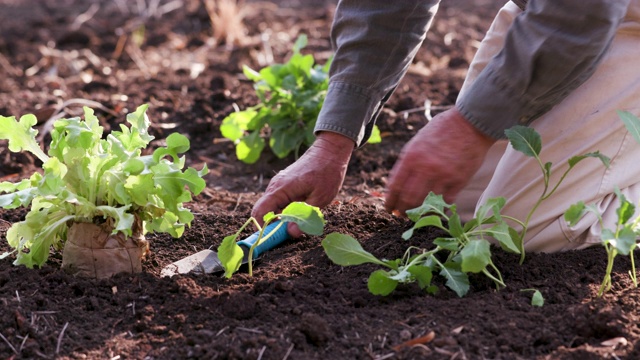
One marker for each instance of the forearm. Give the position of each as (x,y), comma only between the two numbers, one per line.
(551,48)
(375,42)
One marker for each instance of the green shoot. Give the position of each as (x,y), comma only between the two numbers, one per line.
(536,299)
(623,239)
(308,218)
(465,248)
(528,141)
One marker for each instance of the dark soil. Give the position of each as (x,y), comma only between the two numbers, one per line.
(298,304)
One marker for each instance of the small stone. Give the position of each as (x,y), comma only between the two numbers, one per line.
(405,335)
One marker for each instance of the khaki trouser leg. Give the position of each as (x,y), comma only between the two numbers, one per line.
(584,122)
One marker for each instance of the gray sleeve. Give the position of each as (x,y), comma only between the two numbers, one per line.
(374,42)
(552,48)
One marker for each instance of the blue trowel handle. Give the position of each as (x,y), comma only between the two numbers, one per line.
(274,240)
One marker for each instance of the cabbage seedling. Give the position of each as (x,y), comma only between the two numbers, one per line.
(466,246)
(623,239)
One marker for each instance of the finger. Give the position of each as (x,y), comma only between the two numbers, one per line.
(397,178)
(415,190)
(269,202)
(293,230)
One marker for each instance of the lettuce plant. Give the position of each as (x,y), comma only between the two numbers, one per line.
(290,97)
(89,177)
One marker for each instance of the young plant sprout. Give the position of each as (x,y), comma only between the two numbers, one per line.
(623,239)
(308,218)
(528,141)
(465,248)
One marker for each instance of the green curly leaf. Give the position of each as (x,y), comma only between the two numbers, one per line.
(525,139)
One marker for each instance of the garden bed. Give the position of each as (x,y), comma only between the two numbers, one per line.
(298,304)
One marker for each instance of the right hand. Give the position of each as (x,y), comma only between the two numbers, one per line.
(315,178)
(441,158)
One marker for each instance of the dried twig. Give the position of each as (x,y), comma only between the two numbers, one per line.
(427,108)
(60,337)
(222,330)
(8,343)
(85,16)
(384,357)
(288,352)
(169,7)
(137,56)
(254,331)
(24,341)
(237,203)
(261,352)
(59,113)
(226,20)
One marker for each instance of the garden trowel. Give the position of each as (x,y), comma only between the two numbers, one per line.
(207,261)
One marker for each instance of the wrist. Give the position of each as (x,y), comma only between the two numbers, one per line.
(467,127)
(335,143)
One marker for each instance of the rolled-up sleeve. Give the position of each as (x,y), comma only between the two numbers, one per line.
(374,42)
(551,48)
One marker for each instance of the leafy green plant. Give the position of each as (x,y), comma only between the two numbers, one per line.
(88,178)
(623,239)
(290,97)
(528,141)
(308,218)
(465,249)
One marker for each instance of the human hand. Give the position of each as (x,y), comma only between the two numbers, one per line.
(315,178)
(442,157)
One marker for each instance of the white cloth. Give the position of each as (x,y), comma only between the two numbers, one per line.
(586,121)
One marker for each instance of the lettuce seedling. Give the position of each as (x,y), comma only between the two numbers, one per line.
(290,97)
(536,299)
(88,178)
(308,218)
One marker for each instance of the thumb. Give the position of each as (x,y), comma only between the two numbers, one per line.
(293,230)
